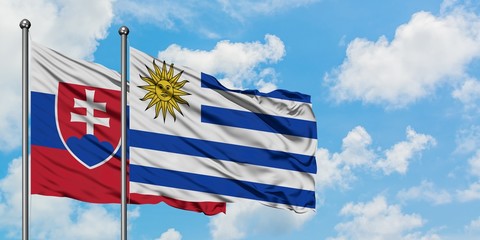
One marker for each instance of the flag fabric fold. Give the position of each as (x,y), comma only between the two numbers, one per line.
(192,139)
(75,133)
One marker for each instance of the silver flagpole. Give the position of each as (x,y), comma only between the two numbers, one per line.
(25,26)
(123,31)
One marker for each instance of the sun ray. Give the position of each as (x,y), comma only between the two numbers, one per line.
(175,105)
(170,72)
(179,92)
(176,77)
(170,110)
(180,100)
(148,80)
(157,109)
(154,101)
(164,72)
(164,109)
(155,77)
(149,88)
(147,96)
(158,72)
(180,84)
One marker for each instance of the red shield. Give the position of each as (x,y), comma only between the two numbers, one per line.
(88,121)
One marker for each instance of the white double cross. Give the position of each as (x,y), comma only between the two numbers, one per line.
(90,105)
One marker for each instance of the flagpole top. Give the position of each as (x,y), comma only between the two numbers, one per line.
(25,24)
(123,30)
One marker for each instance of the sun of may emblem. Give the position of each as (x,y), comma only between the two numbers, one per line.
(164,90)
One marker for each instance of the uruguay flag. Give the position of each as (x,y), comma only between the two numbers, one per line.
(195,140)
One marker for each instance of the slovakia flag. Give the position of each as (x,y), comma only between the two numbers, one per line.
(75,133)
(75,128)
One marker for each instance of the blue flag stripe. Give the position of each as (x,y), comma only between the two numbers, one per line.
(222,186)
(222,151)
(258,121)
(212,83)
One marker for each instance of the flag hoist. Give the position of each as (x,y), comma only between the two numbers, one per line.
(25,26)
(123,31)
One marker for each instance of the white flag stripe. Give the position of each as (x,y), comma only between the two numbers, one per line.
(237,101)
(67,70)
(270,106)
(223,169)
(191,196)
(231,135)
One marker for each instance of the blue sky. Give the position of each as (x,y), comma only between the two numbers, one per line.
(395,89)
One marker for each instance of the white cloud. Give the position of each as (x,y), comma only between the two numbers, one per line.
(70,26)
(197,16)
(474,163)
(470,194)
(11,196)
(420,236)
(164,13)
(90,222)
(473,226)
(355,150)
(337,169)
(168,14)
(377,220)
(170,234)
(468,140)
(398,157)
(471,231)
(468,93)
(331,171)
(268,79)
(411,66)
(52,217)
(134,213)
(425,191)
(244,9)
(251,218)
(239,70)
(448,5)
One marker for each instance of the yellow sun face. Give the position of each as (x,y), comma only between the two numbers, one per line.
(164,90)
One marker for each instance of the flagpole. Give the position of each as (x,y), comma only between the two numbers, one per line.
(123,31)
(25,26)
